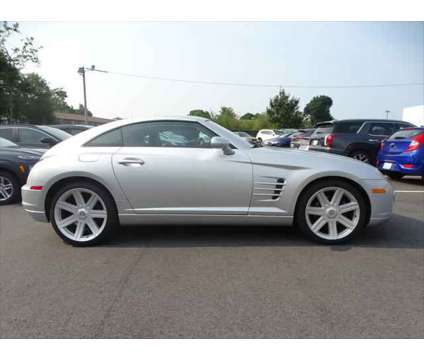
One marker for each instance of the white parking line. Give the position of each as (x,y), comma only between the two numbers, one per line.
(409,191)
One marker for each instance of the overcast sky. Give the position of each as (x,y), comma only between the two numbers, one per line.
(286,53)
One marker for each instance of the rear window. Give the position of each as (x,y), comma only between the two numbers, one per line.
(323,130)
(347,127)
(407,134)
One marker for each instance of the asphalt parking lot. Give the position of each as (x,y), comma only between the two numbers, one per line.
(219,282)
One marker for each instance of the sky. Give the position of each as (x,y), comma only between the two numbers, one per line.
(282,53)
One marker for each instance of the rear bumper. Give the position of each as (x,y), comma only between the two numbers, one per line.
(396,165)
(326,150)
(33,203)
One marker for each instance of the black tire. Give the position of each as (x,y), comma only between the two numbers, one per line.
(363,155)
(394,175)
(112,220)
(16,188)
(300,216)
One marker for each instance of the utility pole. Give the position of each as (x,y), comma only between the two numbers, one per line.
(387,114)
(81,71)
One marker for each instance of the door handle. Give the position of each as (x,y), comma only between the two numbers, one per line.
(131,161)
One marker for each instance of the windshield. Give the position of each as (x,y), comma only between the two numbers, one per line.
(60,134)
(6,143)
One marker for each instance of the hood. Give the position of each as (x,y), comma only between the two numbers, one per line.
(313,160)
(22,151)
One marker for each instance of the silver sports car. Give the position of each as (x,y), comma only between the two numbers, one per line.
(190,170)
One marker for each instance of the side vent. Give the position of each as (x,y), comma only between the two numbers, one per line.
(268,188)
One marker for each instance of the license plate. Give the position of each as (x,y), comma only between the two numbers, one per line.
(387,166)
(304,147)
(314,142)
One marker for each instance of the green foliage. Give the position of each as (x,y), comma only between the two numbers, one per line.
(283,111)
(318,109)
(228,118)
(201,113)
(25,97)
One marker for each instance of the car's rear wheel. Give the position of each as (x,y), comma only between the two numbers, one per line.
(83,213)
(362,155)
(9,188)
(331,212)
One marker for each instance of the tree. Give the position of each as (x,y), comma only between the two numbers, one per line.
(283,111)
(227,118)
(201,113)
(318,109)
(248,116)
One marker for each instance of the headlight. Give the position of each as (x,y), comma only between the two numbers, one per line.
(28,157)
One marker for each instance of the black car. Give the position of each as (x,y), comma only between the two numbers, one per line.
(33,136)
(15,165)
(72,129)
(358,138)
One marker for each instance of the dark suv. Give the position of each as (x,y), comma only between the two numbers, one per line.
(359,139)
(33,136)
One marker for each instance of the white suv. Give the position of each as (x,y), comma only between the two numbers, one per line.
(266,134)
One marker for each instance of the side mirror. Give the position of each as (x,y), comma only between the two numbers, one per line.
(218,142)
(48,141)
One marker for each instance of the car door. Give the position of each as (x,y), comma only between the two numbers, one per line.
(29,137)
(377,132)
(169,167)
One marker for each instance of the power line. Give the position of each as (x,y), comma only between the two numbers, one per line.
(205,82)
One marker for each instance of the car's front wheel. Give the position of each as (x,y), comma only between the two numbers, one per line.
(9,188)
(83,213)
(331,212)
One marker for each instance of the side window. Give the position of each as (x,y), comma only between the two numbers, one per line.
(167,134)
(109,139)
(6,133)
(380,129)
(348,127)
(30,136)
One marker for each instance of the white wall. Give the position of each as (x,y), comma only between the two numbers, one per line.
(414,115)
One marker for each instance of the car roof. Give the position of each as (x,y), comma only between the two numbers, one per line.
(371,120)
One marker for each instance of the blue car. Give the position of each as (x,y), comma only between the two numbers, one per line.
(403,153)
(280,141)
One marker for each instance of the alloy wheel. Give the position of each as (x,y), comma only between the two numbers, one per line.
(361,156)
(80,214)
(6,188)
(332,213)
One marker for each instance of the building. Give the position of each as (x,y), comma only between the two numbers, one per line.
(414,115)
(70,118)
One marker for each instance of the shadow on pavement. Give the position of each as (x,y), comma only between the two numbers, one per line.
(399,232)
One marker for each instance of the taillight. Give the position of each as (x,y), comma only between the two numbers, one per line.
(328,140)
(416,142)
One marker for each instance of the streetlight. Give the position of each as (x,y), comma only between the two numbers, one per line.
(387,114)
(82,71)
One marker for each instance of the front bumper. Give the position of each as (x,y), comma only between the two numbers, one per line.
(381,204)
(33,203)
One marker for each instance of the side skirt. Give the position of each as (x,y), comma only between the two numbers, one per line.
(196,219)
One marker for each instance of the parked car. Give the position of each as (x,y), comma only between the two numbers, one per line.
(321,130)
(15,164)
(280,141)
(359,138)
(33,136)
(300,139)
(123,173)
(72,129)
(403,153)
(244,135)
(266,134)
